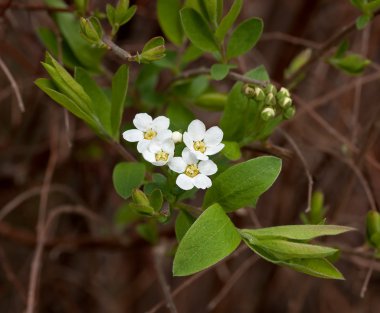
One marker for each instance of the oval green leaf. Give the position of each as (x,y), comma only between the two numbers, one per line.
(127,176)
(168,18)
(211,238)
(244,37)
(197,30)
(243,183)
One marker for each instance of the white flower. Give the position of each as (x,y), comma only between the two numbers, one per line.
(159,153)
(201,142)
(192,171)
(177,137)
(148,130)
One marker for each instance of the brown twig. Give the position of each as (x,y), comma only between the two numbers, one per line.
(14,85)
(33,7)
(122,151)
(324,48)
(290,39)
(120,52)
(367,278)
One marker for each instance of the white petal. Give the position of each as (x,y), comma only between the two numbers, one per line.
(196,130)
(163,135)
(133,135)
(142,121)
(149,156)
(177,164)
(188,141)
(168,146)
(160,123)
(189,157)
(184,182)
(199,155)
(214,149)
(155,146)
(143,145)
(213,136)
(207,167)
(159,163)
(202,181)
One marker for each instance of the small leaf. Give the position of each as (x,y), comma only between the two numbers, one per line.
(298,232)
(362,21)
(220,71)
(211,238)
(168,17)
(228,20)
(321,268)
(182,224)
(244,37)
(298,61)
(153,50)
(231,150)
(197,30)
(156,199)
(179,115)
(211,7)
(213,101)
(352,63)
(126,177)
(148,231)
(119,94)
(243,183)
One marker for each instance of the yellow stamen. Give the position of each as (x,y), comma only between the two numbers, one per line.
(192,170)
(162,156)
(200,146)
(150,134)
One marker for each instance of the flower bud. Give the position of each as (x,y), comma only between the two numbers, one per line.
(267,114)
(177,137)
(91,30)
(271,89)
(249,91)
(270,99)
(259,93)
(289,112)
(153,50)
(285,102)
(142,209)
(283,93)
(140,197)
(373,228)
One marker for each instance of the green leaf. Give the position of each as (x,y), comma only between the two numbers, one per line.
(213,101)
(220,71)
(156,199)
(68,24)
(352,63)
(197,30)
(231,150)
(244,37)
(243,183)
(211,238)
(153,50)
(362,21)
(126,177)
(228,20)
(191,54)
(169,20)
(211,7)
(119,95)
(148,231)
(180,116)
(320,268)
(298,61)
(285,250)
(182,224)
(298,232)
(99,101)
(125,215)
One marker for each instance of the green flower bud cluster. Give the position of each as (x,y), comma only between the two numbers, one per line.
(273,102)
(150,206)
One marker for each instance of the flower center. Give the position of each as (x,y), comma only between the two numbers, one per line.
(199,146)
(191,170)
(150,134)
(162,156)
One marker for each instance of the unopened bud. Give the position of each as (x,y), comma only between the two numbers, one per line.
(270,99)
(177,137)
(289,112)
(139,197)
(153,50)
(283,92)
(249,91)
(285,102)
(373,228)
(91,29)
(271,89)
(267,114)
(259,93)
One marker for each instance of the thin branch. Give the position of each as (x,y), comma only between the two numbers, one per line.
(232,281)
(304,164)
(290,39)
(232,75)
(33,7)
(121,53)
(14,85)
(158,254)
(367,278)
(324,48)
(122,151)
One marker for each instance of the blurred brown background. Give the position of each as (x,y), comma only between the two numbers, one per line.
(88,266)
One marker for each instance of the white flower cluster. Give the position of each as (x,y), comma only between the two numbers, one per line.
(156,142)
